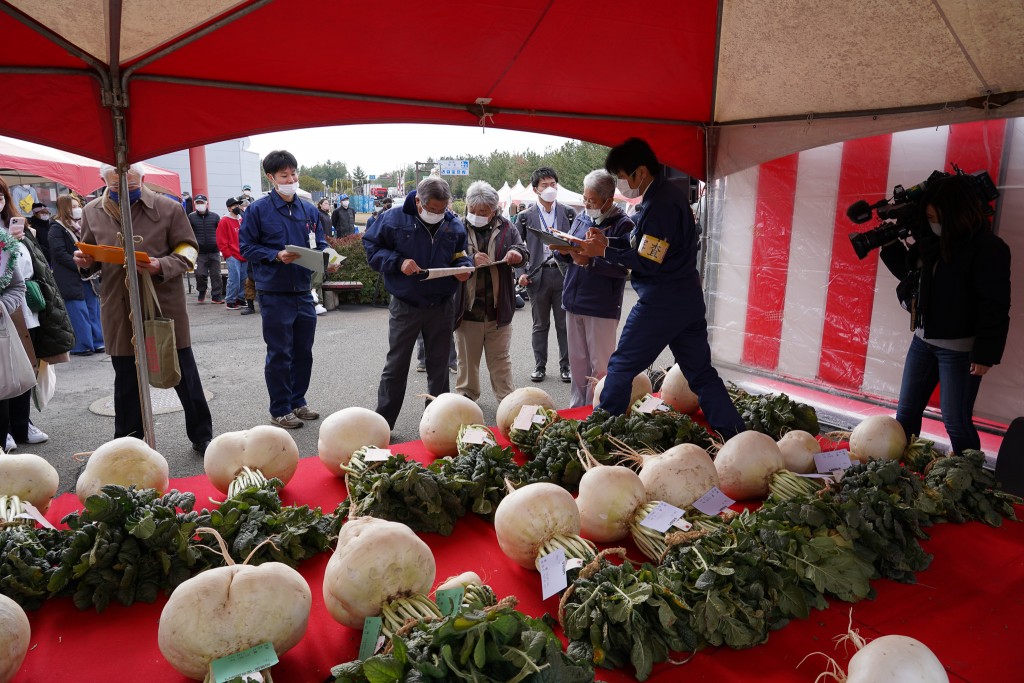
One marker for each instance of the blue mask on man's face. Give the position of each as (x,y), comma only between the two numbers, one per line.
(133,195)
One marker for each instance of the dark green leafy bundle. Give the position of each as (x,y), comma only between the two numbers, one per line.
(127,545)
(479,473)
(402,490)
(773,414)
(498,644)
(28,558)
(527,440)
(958,488)
(556,459)
(657,431)
(616,615)
(255,514)
(919,453)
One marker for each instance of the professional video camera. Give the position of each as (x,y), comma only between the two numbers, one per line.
(901,214)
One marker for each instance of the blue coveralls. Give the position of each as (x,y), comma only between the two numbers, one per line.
(662,254)
(283,291)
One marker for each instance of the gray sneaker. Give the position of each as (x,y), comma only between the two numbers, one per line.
(306,413)
(289,421)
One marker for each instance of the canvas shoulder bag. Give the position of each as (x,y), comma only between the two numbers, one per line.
(16,373)
(161,348)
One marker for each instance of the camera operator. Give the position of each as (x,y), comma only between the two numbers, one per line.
(960,306)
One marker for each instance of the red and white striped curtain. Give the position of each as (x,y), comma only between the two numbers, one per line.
(789,295)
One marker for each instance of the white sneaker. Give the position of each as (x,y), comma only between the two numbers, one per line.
(320,310)
(10,444)
(36,435)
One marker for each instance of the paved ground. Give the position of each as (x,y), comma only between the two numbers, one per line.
(351,343)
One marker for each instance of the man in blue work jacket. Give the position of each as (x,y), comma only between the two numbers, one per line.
(661,253)
(283,288)
(402,245)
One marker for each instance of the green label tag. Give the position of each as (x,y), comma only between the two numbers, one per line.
(371,632)
(245,662)
(449,600)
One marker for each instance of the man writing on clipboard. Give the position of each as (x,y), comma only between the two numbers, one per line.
(541,274)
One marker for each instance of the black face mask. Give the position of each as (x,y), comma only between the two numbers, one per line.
(235,210)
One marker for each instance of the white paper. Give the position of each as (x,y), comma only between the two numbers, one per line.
(435,273)
(651,404)
(475,435)
(573,563)
(682,524)
(662,517)
(713,502)
(830,461)
(552,573)
(524,420)
(310,259)
(31,512)
(376,454)
(540,418)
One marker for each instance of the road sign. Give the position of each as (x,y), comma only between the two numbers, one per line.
(373,177)
(454,166)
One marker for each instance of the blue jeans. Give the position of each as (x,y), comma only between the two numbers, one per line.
(85,320)
(926,367)
(236,273)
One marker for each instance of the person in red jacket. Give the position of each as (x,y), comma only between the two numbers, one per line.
(227,243)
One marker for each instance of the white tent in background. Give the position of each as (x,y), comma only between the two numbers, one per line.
(504,194)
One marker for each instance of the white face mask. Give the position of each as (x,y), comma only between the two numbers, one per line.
(344,204)
(430,218)
(549,194)
(936,228)
(593,214)
(201,208)
(76,212)
(622,185)
(287,189)
(477,221)
(44,216)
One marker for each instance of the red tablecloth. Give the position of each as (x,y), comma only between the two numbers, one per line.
(966,608)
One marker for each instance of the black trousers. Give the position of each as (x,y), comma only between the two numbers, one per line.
(128,410)
(14,414)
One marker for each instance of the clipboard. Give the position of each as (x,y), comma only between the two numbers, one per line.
(107,254)
(310,259)
(553,238)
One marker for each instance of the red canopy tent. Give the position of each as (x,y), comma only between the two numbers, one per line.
(714,85)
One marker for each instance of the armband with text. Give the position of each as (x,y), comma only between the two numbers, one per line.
(188,252)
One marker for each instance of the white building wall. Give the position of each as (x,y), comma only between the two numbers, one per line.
(229,166)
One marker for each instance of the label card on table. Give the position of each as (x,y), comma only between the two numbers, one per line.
(31,512)
(524,420)
(713,502)
(662,517)
(829,461)
(552,573)
(376,454)
(540,418)
(573,563)
(449,600)
(372,639)
(650,404)
(475,435)
(245,662)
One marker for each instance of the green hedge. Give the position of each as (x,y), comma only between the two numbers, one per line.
(356,267)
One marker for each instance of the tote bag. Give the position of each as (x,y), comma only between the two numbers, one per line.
(161,349)
(16,373)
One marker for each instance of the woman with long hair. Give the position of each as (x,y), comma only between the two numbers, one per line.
(79,294)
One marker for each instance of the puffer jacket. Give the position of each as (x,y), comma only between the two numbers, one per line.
(55,335)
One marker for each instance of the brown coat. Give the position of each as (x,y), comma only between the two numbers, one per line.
(162,225)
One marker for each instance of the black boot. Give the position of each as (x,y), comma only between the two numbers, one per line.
(250,307)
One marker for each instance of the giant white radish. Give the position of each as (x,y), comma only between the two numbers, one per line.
(538,519)
(879,437)
(676,392)
(344,432)
(746,464)
(25,478)
(886,659)
(228,609)
(439,426)
(379,568)
(510,406)
(236,460)
(15,635)
(798,448)
(126,461)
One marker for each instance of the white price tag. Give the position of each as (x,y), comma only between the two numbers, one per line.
(376,454)
(31,512)
(475,435)
(682,524)
(573,563)
(662,517)
(540,418)
(552,573)
(651,404)
(829,461)
(524,420)
(713,502)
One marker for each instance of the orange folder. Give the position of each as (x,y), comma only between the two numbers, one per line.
(105,254)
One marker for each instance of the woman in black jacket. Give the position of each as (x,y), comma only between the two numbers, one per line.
(82,303)
(960,311)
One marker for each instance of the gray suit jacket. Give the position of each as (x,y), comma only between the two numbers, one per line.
(564,217)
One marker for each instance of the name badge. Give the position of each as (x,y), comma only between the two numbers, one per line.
(312,240)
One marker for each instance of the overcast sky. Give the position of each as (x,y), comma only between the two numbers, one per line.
(382,148)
